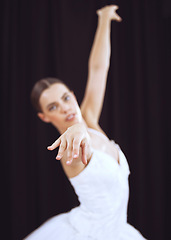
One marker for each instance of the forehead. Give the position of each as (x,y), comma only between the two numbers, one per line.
(53,93)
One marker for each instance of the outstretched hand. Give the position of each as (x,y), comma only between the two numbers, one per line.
(70,142)
(109,12)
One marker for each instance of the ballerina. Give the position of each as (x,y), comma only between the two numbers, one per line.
(95,165)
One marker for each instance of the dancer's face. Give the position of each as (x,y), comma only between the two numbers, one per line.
(59,107)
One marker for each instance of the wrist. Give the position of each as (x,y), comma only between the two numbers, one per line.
(103,19)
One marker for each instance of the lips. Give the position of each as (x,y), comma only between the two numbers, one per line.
(70,117)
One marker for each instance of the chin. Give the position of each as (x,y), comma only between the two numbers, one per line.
(74,122)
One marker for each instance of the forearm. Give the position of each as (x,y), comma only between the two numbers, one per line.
(97,72)
(100,53)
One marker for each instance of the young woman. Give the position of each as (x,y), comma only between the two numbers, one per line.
(95,166)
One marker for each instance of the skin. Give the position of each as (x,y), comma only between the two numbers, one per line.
(58,104)
(60,108)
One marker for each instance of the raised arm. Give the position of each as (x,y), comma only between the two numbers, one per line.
(98,66)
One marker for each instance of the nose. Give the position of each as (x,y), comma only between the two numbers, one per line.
(65,108)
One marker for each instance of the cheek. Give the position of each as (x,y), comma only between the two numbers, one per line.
(57,117)
(54,117)
(74,103)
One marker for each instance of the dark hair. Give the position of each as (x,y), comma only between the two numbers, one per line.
(39,87)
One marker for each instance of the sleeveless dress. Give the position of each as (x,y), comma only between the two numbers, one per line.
(103,191)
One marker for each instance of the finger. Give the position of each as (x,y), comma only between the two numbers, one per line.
(84,152)
(69,162)
(69,150)
(61,150)
(115,7)
(118,18)
(55,144)
(76,147)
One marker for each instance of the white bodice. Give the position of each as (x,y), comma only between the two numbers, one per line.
(102,189)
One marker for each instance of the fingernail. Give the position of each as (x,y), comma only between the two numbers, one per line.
(75,155)
(68,162)
(58,157)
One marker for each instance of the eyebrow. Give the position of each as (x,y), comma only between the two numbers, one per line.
(53,103)
(63,96)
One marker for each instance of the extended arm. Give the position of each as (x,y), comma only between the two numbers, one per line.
(98,66)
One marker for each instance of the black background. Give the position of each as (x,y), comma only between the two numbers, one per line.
(43,38)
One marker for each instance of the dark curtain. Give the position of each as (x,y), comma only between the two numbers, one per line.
(43,38)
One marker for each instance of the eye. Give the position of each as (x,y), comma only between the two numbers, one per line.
(67,98)
(52,108)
